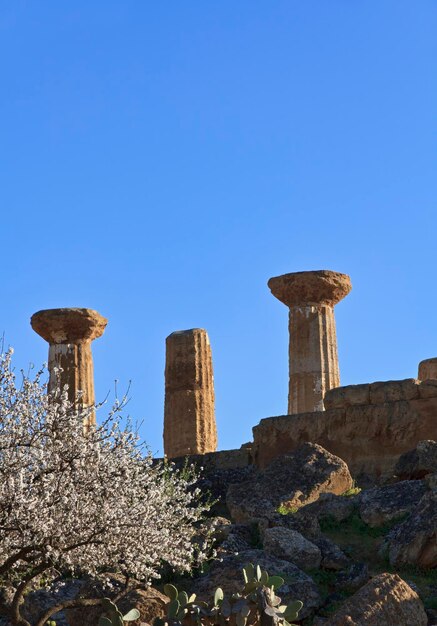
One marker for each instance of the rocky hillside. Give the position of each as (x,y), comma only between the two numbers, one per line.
(354,557)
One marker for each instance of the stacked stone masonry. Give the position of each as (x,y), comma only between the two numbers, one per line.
(369,426)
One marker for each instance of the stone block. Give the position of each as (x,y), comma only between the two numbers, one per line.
(347,396)
(394,391)
(428,388)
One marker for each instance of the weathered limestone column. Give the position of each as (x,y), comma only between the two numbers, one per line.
(313,357)
(189,413)
(428,369)
(70,333)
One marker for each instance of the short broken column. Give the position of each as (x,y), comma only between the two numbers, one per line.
(428,369)
(313,356)
(70,332)
(189,410)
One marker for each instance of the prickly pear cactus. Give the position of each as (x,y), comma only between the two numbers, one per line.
(256,599)
(113,617)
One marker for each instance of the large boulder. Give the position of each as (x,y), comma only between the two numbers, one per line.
(290,545)
(304,523)
(228,575)
(353,578)
(295,480)
(149,601)
(414,541)
(331,505)
(381,505)
(419,462)
(386,600)
(333,558)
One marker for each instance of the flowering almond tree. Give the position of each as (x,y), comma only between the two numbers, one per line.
(82,502)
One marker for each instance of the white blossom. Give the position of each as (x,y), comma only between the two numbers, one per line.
(85,501)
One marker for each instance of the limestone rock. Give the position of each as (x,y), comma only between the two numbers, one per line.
(331,505)
(333,558)
(303,523)
(228,575)
(295,479)
(323,287)
(414,542)
(292,546)
(386,600)
(394,391)
(419,462)
(369,438)
(428,369)
(384,504)
(428,389)
(354,578)
(149,601)
(238,539)
(340,397)
(189,411)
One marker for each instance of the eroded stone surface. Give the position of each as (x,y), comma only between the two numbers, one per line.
(319,287)
(386,600)
(414,542)
(370,438)
(228,575)
(149,601)
(290,545)
(189,412)
(428,369)
(382,505)
(68,325)
(341,397)
(418,463)
(333,558)
(296,479)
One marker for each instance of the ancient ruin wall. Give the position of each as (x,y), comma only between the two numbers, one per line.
(368,426)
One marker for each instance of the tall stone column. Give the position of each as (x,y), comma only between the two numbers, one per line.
(428,369)
(189,413)
(70,333)
(313,357)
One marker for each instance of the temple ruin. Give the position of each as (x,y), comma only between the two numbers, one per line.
(368,425)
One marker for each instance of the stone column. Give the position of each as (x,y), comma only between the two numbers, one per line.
(70,333)
(428,369)
(313,357)
(189,413)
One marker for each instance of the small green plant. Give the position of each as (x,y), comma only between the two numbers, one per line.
(257,598)
(113,617)
(353,491)
(286,509)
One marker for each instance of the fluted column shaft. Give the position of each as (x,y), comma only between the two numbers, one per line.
(313,358)
(189,409)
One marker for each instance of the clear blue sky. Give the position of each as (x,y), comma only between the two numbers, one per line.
(161,160)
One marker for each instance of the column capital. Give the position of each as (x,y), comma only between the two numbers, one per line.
(317,288)
(68,325)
